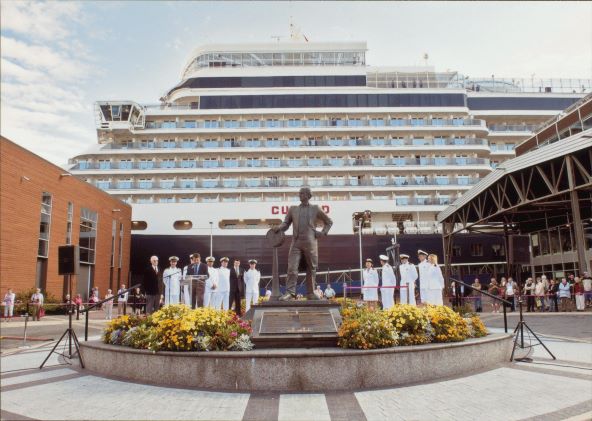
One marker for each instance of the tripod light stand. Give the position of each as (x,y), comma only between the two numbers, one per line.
(519,335)
(72,338)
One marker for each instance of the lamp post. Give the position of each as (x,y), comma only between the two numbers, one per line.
(360,244)
(211,238)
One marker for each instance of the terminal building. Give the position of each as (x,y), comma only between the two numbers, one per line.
(43,207)
(541,201)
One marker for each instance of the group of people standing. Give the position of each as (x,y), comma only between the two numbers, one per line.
(208,286)
(539,294)
(428,273)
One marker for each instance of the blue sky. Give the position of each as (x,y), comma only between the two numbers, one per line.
(57,58)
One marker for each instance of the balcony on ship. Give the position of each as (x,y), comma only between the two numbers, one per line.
(312,123)
(312,163)
(412,182)
(189,144)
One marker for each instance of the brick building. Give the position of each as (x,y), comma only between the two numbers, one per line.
(43,207)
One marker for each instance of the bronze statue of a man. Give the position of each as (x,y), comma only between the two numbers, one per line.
(303,219)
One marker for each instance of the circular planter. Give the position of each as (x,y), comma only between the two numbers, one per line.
(297,370)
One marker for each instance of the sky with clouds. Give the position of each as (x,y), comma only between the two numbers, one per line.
(57,58)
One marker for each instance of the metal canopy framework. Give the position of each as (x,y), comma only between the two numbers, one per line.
(547,187)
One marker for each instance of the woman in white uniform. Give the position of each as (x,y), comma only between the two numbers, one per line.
(370,278)
(435,281)
(171,277)
(211,283)
(388,280)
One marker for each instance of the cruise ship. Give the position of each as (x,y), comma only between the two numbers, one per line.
(221,157)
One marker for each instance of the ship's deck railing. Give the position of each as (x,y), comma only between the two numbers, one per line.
(258,184)
(312,123)
(525,85)
(453,80)
(300,143)
(294,163)
(528,128)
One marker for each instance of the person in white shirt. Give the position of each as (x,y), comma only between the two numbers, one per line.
(389,279)
(108,305)
(370,279)
(423,267)
(329,292)
(8,304)
(37,301)
(121,300)
(318,292)
(211,283)
(222,295)
(252,278)
(435,283)
(408,273)
(171,278)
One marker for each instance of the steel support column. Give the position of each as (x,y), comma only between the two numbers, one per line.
(576,218)
(447,241)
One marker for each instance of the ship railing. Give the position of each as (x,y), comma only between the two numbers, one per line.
(232,184)
(280,163)
(302,143)
(526,85)
(312,124)
(529,128)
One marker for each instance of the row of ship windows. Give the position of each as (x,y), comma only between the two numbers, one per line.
(311,122)
(256,59)
(272,162)
(216,102)
(420,200)
(420,180)
(295,142)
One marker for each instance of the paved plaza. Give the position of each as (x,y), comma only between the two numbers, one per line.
(542,389)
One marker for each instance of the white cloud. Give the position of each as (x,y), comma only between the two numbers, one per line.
(43,103)
(40,20)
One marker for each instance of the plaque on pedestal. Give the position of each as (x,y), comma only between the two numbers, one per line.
(295,324)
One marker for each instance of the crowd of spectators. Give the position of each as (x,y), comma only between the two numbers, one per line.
(541,294)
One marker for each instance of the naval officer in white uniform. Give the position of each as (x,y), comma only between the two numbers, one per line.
(171,277)
(408,278)
(388,280)
(211,283)
(223,293)
(423,267)
(370,279)
(252,278)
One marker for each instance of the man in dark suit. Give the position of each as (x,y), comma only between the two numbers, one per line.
(197,268)
(303,219)
(152,281)
(237,286)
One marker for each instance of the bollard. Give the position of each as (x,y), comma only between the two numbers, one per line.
(77,312)
(24,345)
(86,326)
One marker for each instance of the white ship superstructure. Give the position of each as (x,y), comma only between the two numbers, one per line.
(249,124)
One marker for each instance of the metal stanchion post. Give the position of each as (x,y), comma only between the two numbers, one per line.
(24,345)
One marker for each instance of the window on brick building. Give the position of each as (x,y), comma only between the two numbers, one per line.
(69,220)
(88,235)
(44,226)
